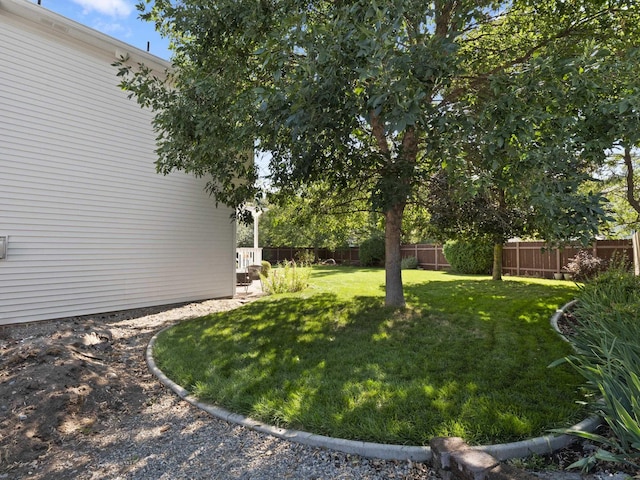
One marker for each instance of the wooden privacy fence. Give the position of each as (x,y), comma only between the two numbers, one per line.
(346,256)
(529,259)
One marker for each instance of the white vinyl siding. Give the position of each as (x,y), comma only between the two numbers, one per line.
(92,227)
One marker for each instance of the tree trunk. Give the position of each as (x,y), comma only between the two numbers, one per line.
(631,188)
(497,260)
(394,296)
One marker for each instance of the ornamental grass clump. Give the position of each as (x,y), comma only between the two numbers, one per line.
(409,263)
(288,278)
(266,268)
(305,258)
(607,345)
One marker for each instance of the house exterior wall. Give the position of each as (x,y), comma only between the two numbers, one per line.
(92,227)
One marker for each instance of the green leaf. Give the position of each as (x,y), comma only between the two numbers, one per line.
(585,464)
(623,106)
(607,456)
(560,361)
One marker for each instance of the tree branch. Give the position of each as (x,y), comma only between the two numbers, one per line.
(483,77)
(377,129)
(444,11)
(409,145)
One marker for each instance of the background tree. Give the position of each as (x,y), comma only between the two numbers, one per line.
(315,218)
(614,116)
(474,213)
(539,132)
(523,169)
(616,185)
(244,234)
(416,227)
(363,95)
(611,117)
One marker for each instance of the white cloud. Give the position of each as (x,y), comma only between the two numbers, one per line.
(114,29)
(114,8)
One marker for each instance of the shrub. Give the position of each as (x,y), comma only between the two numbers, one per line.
(584,266)
(409,263)
(305,258)
(288,278)
(469,256)
(266,268)
(608,355)
(372,251)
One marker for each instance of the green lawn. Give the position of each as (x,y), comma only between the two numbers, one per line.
(467,357)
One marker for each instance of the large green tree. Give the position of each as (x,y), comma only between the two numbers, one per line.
(526,162)
(367,95)
(541,127)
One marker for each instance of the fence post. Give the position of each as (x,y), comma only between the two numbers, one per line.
(635,240)
(517,259)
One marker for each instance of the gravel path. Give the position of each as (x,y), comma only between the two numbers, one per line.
(77,401)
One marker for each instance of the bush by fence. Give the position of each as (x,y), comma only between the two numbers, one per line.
(526,259)
(372,251)
(469,256)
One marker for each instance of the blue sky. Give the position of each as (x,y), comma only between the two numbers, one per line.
(117,18)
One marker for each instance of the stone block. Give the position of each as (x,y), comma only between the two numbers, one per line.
(441,450)
(470,464)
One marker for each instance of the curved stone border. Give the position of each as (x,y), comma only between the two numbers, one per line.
(502,451)
(539,445)
(556,316)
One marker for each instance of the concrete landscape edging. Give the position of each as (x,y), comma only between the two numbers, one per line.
(502,451)
(558,315)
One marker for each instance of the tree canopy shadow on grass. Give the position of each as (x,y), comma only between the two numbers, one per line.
(470,360)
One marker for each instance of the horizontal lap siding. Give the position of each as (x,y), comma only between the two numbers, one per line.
(92,226)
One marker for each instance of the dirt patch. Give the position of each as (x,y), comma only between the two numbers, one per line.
(63,382)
